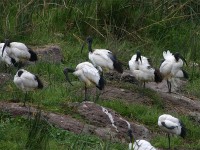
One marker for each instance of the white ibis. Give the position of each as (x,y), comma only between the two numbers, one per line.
(103,58)
(141,69)
(171,125)
(171,67)
(5,58)
(139,144)
(27,81)
(87,73)
(18,51)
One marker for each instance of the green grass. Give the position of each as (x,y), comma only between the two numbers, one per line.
(18,133)
(122,26)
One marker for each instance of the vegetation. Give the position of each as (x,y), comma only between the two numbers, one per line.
(123,26)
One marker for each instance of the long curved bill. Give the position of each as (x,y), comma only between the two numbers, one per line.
(65,71)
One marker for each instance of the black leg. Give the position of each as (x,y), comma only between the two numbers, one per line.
(85,99)
(168,139)
(144,85)
(97,94)
(169,86)
(25,98)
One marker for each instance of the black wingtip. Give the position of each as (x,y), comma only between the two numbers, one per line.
(33,55)
(101,83)
(183,130)
(185,74)
(116,63)
(118,66)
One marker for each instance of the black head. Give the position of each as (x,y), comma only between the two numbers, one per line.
(7,43)
(65,71)
(19,73)
(89,39)
(138,53)
(178,56)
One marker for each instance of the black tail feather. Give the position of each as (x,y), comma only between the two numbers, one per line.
(183,130)
(101,83)
(158,76)
(33,55)
(40,84)
(185,74)
(116,64)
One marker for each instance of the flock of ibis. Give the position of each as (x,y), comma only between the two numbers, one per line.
(15,53)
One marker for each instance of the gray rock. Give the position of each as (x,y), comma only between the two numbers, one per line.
(50,53)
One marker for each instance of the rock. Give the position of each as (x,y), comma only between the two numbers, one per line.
(50,53)
(95,115)
(125,76)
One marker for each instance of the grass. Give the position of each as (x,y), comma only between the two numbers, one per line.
(57,92)
(18,133)
(123,27)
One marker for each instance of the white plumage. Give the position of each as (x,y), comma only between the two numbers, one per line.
(87,73)
(141,145)
(171,125)
(103,58)
(5,58)
(27,81)
(142,70)
(18,51)
(171,67)
(137,60)
(138,144)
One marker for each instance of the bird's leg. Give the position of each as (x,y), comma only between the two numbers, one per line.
(85,93)
(144,85)
(169,86)
(168,139)
(97,94)
(141,90)
(6,68)
(25,98)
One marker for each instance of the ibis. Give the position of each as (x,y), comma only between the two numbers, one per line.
(87,73)
(103,58)
(142,70)
(171,125)
(171,67)
(18,51)
(27,81)
(139,144)
(5,58)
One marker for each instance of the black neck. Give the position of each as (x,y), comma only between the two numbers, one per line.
(90,47)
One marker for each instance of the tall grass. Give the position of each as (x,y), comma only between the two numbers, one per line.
(151,26)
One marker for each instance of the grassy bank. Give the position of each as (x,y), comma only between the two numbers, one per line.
(120,25)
